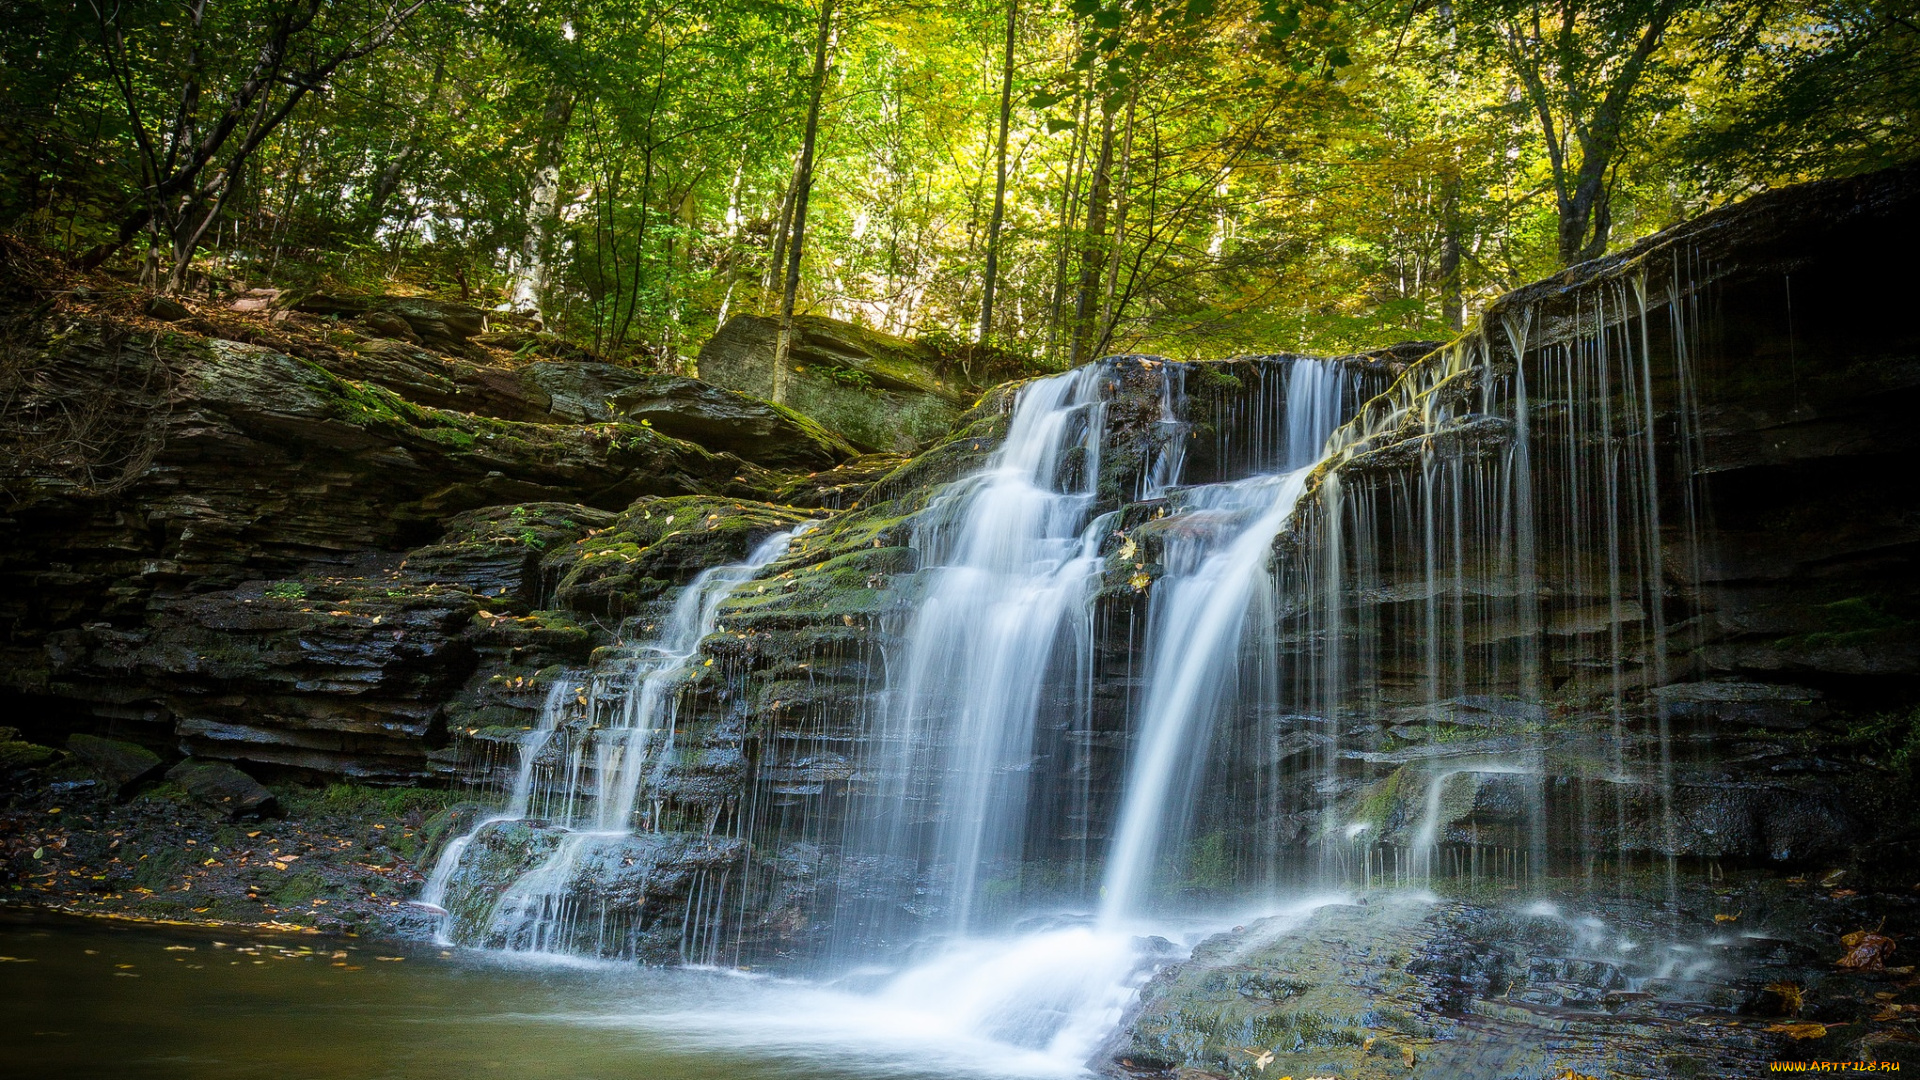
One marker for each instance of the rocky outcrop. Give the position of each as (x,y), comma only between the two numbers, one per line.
(206,540)
(1622,574)
(1392,986)
(883,393)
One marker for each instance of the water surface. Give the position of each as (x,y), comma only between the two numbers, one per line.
(94,998)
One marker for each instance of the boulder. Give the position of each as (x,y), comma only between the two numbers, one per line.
(167,309)
(882,392)
(223,788)
(439,322)
(388,325)
(118,764)
(17,756)
(716,418)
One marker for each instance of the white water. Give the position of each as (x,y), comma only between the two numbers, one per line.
(1217,565)
(1036,1004)
(1006,613)
(592,792)
(1006,619)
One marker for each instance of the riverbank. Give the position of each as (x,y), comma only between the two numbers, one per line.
(340,859)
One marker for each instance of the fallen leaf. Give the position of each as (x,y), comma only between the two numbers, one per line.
(1833,877)
(1891,1011)
(1867,950)
(1802,1029)
(1842,894)
(1735,917)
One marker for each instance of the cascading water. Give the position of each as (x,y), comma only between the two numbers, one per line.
(578,780)
(1002,629)
(1306,637)
(1216,551)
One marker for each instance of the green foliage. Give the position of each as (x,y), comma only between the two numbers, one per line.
(287,590)
(1892,738)
(1278,174)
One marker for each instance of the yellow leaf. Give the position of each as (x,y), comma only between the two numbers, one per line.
(1802,1029)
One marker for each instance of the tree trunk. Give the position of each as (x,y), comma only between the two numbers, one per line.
(1093,252)
(783,347)
(1109,316)
(1450,302)
(777,260)
(1069,206)
(530,269)
(1000,177)
(391,173)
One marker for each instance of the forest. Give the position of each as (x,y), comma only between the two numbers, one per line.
(1054,181)
(959,539)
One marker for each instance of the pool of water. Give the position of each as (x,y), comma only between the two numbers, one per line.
(86,998)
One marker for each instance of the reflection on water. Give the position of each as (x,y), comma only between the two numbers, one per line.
(87,998)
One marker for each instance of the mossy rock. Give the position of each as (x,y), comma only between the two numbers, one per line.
(114,762)
(658,542)
(220,786)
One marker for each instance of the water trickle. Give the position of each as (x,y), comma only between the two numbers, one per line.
(601,740)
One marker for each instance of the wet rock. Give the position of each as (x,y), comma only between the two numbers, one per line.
(19,758)
(1395,987)
(658,543)
(115,762)
(222,787)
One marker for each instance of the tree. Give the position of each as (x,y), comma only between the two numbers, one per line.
(192,162)
(1000,176)
(803,189)
(1582,66)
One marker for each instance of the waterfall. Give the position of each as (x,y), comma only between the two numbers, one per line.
(1002,629)
(601,740)
(1216,552)
(1486,561)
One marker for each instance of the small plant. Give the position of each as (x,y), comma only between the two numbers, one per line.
(1892,738)
(287,590)
(855,378)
